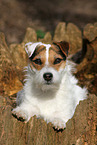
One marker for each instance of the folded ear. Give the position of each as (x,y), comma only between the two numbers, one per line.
(64,46)
(30,47)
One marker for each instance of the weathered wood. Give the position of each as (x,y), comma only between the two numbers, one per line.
(47,38)
(90,31)
(80,129)
(70,33)
(9,81)
(30,35)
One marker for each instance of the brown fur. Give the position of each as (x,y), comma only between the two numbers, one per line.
(64,46)
(53,54)
(40,53)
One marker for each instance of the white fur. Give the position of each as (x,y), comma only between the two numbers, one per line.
(54,103)
(47,52)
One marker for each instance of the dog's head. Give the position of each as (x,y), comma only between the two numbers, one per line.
(47,62)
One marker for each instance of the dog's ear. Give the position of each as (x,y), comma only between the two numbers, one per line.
(64,47)
(29,47)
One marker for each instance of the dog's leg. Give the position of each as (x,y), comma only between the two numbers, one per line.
(24,112)
(57,123)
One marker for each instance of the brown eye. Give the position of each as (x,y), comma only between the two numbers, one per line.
(57,60)
(37,61)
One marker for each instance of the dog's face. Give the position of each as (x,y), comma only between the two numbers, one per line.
(47,62)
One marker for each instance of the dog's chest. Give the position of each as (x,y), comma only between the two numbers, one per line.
(50,103)
(47,107)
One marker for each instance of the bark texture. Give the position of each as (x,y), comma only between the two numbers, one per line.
(82,128)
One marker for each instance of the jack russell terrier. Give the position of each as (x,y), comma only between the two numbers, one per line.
(51,91)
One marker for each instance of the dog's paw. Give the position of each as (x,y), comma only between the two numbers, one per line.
(59,124)
(20,114)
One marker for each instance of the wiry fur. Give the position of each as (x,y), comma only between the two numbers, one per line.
(54,103)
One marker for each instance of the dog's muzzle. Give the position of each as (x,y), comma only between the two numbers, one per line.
(48,77)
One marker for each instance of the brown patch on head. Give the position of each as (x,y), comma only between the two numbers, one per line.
(38,58)
(56,57)
(64,47)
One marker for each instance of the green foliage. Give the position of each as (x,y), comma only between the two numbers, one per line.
(40,34)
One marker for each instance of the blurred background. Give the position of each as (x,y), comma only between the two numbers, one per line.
(43,15)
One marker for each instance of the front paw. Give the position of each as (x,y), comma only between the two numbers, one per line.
(20,114)
(59,124)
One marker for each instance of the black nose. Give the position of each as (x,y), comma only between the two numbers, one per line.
(48,76)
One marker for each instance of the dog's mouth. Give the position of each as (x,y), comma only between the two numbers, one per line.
(48,83)
(48,86)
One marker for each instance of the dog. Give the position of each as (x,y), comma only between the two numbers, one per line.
(50,91)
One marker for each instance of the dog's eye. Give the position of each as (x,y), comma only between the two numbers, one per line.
(57,60)
(37,61)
